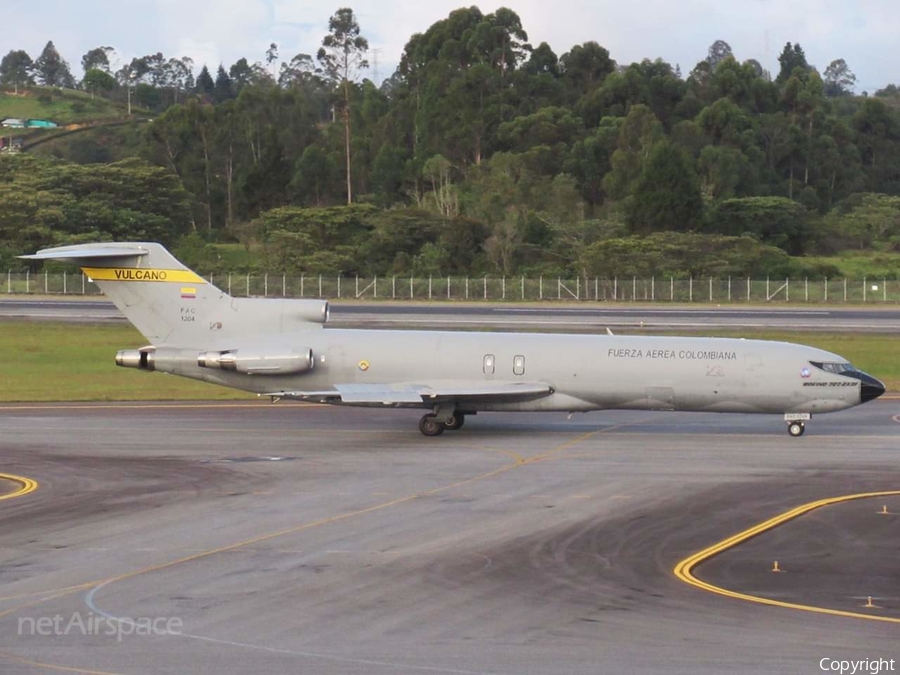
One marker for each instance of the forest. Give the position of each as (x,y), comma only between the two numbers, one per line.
(480,154)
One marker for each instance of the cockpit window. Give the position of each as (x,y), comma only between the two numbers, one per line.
(836,368)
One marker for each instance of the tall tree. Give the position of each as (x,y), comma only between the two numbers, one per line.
(96,59)
(272,57)
(52,69)
(342,57)
(792,56)
(667,195)
(839,79)
(718,52)
(17,68)
(222,89)
(205,83)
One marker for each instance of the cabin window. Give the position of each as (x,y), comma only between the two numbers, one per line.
(488,364)
(519,365)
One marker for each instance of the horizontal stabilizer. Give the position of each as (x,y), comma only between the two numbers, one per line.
(401,393)
(79,254)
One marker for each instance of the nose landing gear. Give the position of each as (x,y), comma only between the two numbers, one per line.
(796,423)
(796,429)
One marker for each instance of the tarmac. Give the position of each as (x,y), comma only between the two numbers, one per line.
(309,539)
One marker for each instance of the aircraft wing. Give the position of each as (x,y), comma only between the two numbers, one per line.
(402,393)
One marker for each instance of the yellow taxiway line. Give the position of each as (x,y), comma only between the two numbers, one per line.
(685,569)
(26,486)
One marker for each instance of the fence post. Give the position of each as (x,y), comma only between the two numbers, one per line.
(672,289)
(320,285)
(787,290)
(845,289)
(46,280)
(826,289)
(596,289)
(729,289)
(652,289)
(301,284)
(338,286)
(266,285)
(748,289)
(357,286)
(65,284)
(27,281)
(467,287)
(691,289)
(710,289)
(578,288)
(283,285)
(503,285)
(615,288)
(393,287)
(806,289)
(523,286)
(448,286)
(558,289)
(429,287)
(768,297)
(411,287)
(541,287)
(375,286)
(229,283)
(884,288)
(248,286)
(864,289)
(8,282)
(83,283)
(485,286)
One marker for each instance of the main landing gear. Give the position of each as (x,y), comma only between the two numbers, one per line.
(434,424)
(796,423)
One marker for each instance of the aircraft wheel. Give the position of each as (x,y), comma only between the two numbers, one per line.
(429,426)
(455,422)
(796,429)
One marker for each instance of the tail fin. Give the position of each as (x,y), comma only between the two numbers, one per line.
(170,304)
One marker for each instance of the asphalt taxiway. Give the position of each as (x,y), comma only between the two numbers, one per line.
(292,538)
(570,317)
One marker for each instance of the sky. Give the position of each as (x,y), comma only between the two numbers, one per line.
(862,32)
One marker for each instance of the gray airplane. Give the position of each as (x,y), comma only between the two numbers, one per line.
(276,348)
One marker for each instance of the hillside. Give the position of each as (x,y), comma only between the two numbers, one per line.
(63,106)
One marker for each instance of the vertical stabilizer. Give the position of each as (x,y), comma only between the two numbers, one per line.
(166,302)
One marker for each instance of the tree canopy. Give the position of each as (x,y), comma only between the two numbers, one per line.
(510,157)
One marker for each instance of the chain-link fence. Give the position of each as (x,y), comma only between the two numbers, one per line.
(657,289)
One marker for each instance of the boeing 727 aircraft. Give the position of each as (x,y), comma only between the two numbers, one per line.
(276,348)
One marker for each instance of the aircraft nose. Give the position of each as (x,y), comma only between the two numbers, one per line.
(870,388)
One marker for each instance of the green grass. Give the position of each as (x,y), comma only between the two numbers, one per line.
(75,362)
(858,264)
(63,108)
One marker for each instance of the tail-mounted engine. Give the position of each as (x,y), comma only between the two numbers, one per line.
(259,362)
(287,361)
